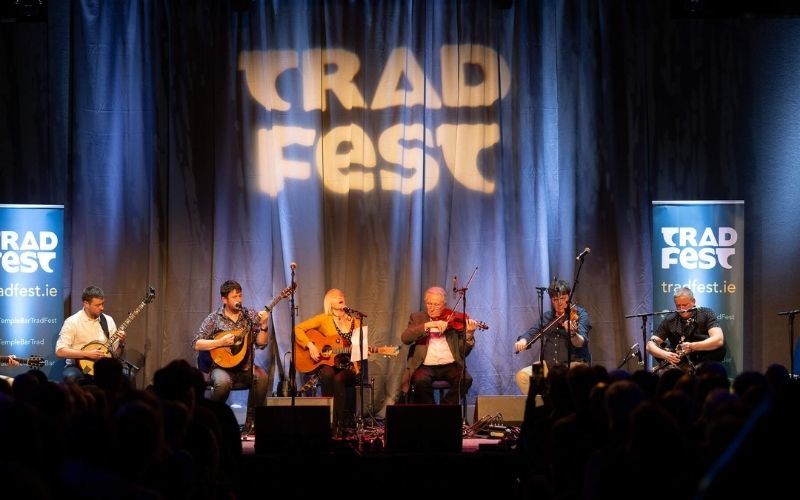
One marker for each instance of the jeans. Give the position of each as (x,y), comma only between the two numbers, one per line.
(223,381)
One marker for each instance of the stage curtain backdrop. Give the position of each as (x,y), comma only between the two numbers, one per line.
(384,147)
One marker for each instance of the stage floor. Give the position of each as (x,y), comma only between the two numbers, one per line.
(484,464)
(372,439)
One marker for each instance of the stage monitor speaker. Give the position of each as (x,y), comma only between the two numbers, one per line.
(303,401)
(512,408)
(292,429)
(423,428)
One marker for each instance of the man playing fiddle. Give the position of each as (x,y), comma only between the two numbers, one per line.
(439,349)
(567,339)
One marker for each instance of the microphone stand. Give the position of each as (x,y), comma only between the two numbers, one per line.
(631,353)
(644,317)
(540,298)
(791,314)
(568,310)
(251,356)
(462,344)
(292,367)
(130,370)
(360,421)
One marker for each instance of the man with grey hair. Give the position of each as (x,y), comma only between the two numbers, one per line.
(440,349)
(688,336)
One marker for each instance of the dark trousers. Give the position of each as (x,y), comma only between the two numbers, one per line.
(339,383)
(423,377)
(223,381)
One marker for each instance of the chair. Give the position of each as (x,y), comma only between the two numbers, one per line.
(440,387)
(236,400)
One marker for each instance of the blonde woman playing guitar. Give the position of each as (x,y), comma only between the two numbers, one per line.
(337,379)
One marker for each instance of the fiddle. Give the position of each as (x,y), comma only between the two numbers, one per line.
(554,324)
(573,315)
(457,320)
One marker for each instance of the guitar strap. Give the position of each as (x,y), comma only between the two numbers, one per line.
(104,324)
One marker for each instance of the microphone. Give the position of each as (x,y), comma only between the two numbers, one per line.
(455,284)
(633,351)
(238,306)
(293,266)
(353,312)
(693,308)
(583,254)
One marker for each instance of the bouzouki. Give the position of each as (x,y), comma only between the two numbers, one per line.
(33,361)
(231,355)
(87,365)
(329,349)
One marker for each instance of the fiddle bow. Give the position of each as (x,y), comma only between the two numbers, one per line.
(552,325)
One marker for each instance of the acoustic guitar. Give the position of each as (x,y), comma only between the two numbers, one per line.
(87,365)
(329,349)
(231,355)
(33,361)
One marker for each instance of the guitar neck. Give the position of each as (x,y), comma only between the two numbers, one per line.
(131,316)
(7,359)
(273,303)
(349,349)
(121,328)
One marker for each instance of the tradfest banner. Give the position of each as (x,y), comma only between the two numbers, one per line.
(698,244)
(31,275)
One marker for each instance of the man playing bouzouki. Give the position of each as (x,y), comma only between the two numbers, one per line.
(230,332)
(86,327)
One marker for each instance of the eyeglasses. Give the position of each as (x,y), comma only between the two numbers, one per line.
(434,304)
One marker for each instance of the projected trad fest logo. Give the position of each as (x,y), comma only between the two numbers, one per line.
(404,156)
(693,249)
(27,252)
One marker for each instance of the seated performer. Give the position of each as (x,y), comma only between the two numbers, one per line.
(337,374)
(559,346)
(232,352)
(84,333)
(440,350)
(693,334)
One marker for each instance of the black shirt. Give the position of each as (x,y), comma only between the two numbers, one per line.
(675,330)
